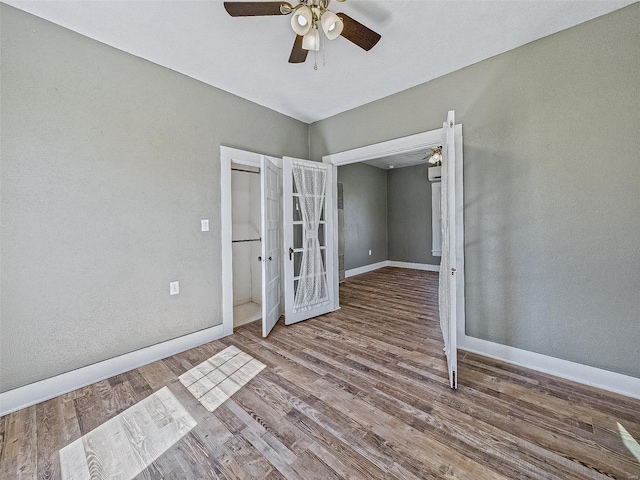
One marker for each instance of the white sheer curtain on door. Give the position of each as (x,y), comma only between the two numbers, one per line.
(310,183)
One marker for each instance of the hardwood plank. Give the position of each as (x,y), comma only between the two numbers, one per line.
(156,374)
(88,410)
(273,420)
(49,415)
(19,454)
(3,421)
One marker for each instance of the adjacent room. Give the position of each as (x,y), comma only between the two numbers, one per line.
(389,213)
(319,239)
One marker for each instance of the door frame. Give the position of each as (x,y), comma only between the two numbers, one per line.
(242,157)
(408,144)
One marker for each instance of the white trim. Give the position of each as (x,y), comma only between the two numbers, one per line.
(460,307)
(585,374)
(336,263)
(243,157)
(366,268)
(419,141)
(415,266)
(390,263)
(37,392)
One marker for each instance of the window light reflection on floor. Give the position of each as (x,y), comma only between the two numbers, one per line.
(128,443)
(215,380)
(629,442)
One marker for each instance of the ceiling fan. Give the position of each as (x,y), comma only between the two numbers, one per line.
(304,20)
(435,157)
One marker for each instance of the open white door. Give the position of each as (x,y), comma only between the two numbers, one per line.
(271,211)
(448,266)
(308,239)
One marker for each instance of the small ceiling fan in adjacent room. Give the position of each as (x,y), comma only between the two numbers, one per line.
(305,17)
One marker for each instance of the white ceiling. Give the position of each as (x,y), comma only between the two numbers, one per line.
(421,40)
(400,160)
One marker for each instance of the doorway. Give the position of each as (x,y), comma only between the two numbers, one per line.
(452,313)
(246,240)
(387,214)
(296,238)
(251,235)
(420,142)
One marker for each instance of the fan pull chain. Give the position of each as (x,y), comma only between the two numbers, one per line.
(324,58)
(315,60)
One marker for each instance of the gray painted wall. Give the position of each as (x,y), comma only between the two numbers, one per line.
(552,186)
(108,163)
(409,215)
(387,211)
(365,214)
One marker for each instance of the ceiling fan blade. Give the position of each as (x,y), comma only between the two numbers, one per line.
(357,33)
(254,9)
(298,54)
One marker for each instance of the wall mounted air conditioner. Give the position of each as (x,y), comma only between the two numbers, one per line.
(434,174)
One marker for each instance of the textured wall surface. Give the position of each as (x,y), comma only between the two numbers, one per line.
(365,214)
(108,163)
(387,211)
(552,186)
(409,215)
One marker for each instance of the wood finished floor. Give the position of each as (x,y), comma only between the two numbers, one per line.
(361,393)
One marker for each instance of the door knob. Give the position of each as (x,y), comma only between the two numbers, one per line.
(259,259)
(290,253)
(269,258)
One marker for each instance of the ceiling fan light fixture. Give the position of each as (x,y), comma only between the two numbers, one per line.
(311,41)
(331,25)
(301,20)
(436,156)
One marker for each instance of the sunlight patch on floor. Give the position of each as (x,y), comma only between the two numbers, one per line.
(629,442)
(128,443)
(215,380)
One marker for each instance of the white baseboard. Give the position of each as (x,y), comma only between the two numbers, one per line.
(365,269)
(391,263)
(595,377)
(414,266)
(37,392)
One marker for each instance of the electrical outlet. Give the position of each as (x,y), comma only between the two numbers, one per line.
(174,288)
(204,224)
(369,252)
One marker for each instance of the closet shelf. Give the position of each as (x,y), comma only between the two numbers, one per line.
(247,240)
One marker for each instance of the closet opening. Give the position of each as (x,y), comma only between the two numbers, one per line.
(246,244)
(251,235)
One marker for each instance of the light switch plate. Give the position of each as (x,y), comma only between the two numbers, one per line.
(369,252)
(174,288)
(204,223)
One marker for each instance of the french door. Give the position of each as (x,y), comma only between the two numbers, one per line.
(447,294)
(308,199)
(271,255)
